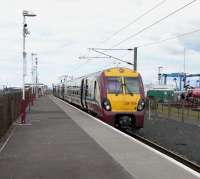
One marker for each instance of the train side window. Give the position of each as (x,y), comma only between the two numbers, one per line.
(97,97)
(90,86)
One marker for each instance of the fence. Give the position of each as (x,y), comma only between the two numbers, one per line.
(182,110)
(10,109)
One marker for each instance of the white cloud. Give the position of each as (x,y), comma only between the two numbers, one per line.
(64,29)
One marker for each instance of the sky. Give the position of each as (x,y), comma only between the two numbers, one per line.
(63,30)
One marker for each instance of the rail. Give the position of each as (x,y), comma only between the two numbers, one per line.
(167,152)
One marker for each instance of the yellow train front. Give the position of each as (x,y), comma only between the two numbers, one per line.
(115,95)
(122,98)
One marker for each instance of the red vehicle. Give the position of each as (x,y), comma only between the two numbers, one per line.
(196,92)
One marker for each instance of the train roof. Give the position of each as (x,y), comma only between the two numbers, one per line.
(119,71)
(114,71)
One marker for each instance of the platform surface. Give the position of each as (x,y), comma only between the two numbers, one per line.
(61,142)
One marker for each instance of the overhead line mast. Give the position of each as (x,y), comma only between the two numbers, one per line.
(110,56)
(126,26)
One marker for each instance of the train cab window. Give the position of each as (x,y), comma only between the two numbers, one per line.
(114,85)
(131,85)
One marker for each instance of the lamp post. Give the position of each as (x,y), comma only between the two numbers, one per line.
(32,73)
(25,33)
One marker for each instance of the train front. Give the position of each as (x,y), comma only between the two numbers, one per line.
(123,100)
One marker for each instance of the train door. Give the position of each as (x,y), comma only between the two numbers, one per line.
(82,93)
(86,93)
(62,92)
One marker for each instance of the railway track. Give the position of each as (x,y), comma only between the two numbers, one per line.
(167,152)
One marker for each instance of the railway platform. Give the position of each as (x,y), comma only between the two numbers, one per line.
(59,141)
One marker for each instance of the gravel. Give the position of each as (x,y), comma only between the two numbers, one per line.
(179,137)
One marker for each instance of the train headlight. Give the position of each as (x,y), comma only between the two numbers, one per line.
(107,105)
(141,105)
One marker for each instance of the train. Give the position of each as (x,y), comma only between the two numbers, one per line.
(115,95)
(195,92)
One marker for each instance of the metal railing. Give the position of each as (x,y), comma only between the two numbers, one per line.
(178,110)
(10,109)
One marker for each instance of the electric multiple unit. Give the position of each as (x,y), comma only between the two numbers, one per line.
(115,95)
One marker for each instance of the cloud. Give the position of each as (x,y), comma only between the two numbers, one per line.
(64,29)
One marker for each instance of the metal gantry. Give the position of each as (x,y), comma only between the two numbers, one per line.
(134,64)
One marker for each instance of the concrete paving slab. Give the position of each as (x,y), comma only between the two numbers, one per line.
(140,161)
(55,147)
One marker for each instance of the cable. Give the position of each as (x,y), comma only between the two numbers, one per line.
(79,66)
(112,57)
(150,44)
(156,22)
(168,39)
(135,20)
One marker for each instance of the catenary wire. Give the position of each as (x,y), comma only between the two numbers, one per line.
(79,66)
(158,21)
(135,20)
(132,22)
(153,24)
(168,39)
